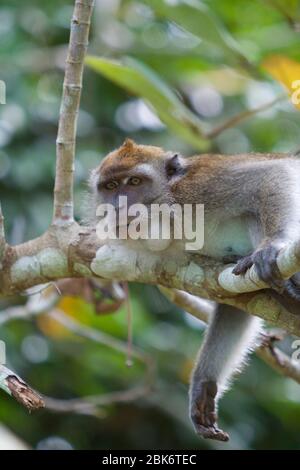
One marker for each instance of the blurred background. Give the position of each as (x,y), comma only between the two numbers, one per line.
(183,69)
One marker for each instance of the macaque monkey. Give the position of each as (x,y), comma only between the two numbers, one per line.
(251,211)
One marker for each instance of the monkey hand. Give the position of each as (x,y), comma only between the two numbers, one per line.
(203,412)
(264,260)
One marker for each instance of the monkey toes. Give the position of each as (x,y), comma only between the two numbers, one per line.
(203,412)
(266,266)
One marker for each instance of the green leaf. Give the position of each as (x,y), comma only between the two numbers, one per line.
(140,80)
(175,67)
(197,19)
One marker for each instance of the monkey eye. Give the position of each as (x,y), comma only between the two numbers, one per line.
(111,185)
(134,181)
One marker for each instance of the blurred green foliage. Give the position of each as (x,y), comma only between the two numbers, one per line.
(203,62)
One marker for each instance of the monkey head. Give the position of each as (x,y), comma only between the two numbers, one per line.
(137,174)
(142,173)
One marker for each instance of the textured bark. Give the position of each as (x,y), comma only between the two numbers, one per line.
(65,143)
(16,387)
(74,251)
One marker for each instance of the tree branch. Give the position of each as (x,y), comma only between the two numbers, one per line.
(294,23)
(280,362)
(89,405)
(288,262)
(232,122)
(196,306)
(199,308)
(65,143)
(102,338)
(75,251)
(202,310)
(17,388)
(14,313)
(2,237)
(202,276)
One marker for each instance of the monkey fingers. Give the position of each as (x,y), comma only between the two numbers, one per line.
(212,432)
(243,265)
(203,412)
(266,266)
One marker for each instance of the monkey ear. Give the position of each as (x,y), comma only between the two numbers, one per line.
(128,143)
(127,147)
(175,166)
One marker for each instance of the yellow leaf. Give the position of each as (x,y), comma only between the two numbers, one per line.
(287,72)
(52,328)
(72,306)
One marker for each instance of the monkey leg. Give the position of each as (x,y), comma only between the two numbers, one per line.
(230,336)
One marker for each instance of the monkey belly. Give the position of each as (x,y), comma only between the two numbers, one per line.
(224,238)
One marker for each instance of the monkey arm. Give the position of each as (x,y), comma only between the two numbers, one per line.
(275,199)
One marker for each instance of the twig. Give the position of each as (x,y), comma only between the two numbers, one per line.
(129,325)
(103,338)
(280,362)
(14,313)
(86,405)
(65,143)
(199,308)
(2,237)
(273,356)
(17,388)
(242,117)
(36,305)
(89,405)
(294,24)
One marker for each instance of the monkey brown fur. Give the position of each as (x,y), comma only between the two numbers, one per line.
(252,210)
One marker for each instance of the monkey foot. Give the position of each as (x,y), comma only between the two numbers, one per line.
(212,433)
(203,412)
